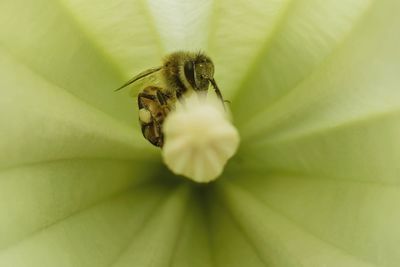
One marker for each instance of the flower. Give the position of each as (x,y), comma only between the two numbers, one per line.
(314,88)
(199,139)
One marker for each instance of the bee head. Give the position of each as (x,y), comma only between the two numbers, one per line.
(199,71)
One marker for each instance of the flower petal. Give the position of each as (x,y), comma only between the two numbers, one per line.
(193,243)
(359,80)
(125,32)
(309,34)
(43,36)
(280,241)
(239,31)
(229,245)
(98,236)
(368,150)
(359,218)
(42,122)
(343,121)
(182,24)
(36,196)
(154,245)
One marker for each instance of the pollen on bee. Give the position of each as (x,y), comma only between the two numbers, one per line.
(144,115)
(199,139)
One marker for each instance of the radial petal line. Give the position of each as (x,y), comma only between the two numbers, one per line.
(327,249)
(264,47)
(149,217)
(73,214)
(290,137)
(254,120)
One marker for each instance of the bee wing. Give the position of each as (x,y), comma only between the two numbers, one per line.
(139,76)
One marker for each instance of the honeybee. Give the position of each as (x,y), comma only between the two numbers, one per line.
(181,72)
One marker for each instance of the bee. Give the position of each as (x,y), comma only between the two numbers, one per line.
(180,73)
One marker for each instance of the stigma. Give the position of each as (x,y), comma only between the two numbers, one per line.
(199,139)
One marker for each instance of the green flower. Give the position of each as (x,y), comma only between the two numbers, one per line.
(314,87)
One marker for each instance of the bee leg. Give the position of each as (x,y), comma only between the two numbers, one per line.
(217,91)
(145,115)
(151,126)
(151,132)
(143,105)
(153,108)
(146,96)
(163,100)
(156,136)
(160,136)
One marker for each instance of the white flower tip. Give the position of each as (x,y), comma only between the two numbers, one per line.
(199,139)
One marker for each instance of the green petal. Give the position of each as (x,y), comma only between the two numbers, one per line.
(310,32)
(368,150)
(321,162)
(357,81)
(193,243)
(44,36)
(317,102)
(351,221)
(37,196)
(182,25)
(155,243)
(239,31)
(341,122)
(41,122)
(100,235)
(229,245)
(280,241)
(124,31)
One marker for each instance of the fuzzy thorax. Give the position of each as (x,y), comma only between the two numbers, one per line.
(199,139)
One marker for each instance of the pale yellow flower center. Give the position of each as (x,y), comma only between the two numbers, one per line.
(199,139)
